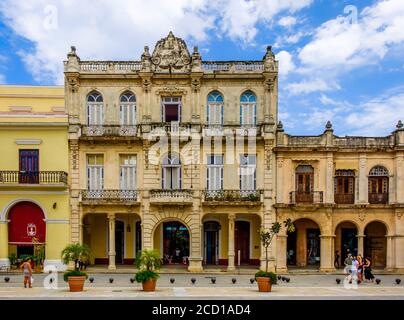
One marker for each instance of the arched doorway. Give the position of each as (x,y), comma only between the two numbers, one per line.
(303,245)
(171,238)
(376,243)
(211,242)
(27,228)
(346,240)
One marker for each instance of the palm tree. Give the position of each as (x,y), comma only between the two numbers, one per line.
(76,252)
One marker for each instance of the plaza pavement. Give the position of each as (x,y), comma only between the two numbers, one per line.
(299,287)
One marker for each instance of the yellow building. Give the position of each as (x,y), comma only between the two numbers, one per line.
(34,195)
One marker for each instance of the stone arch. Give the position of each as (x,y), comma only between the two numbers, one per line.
(303,245)
(7,208)
(375,242)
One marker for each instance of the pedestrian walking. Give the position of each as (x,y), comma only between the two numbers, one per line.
(360,268)
(368,270)
(336,259)
(27,272)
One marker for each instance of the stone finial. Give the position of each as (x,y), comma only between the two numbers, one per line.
(399,125)
(196,49)
(72,52)
(280,126)
(269,54)
(196,60)
(146,52)
(328,126)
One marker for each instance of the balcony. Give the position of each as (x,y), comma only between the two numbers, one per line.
(108,196)
(171,128)
(378,198)
(33,179)
(232,197)
(344,198)
(306,198)
(106,131)
(230,131)
(167,197)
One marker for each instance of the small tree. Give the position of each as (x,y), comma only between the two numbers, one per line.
(76,253)
(148,261)
(267,236)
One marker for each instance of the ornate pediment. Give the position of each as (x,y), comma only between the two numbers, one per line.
(171,55)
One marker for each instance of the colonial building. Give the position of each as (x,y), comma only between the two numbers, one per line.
(34,195)
(344,194)
(174,153)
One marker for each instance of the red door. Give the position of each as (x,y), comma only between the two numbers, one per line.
(26,222)
(242,241)
(29,166)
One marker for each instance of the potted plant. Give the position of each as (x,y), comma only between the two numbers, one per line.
(148,261)
(39,257)
(13,260)
(77,253)
(266,279)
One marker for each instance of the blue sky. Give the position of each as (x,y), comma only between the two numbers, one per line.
(339,60)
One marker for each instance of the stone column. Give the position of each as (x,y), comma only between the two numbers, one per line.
(230,266)
(279,180)
(111,253)
(329,183)
(363,180)
(390,258)
(4,243)
(327,253)
(361,250)
(399,177)
(281,246)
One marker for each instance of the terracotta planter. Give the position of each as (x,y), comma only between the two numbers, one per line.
(76,284)
(149,285)
(264,284)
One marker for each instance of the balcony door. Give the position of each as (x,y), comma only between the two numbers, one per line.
(171,109)
(378,185)
(242,241)
(215,172)
(171,173)
(127,172)
(29,166)
(304,183)
(248,171)
(95,172)
(344,186)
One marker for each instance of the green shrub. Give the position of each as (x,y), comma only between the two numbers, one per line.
(73,273)
(270,275)
(145,275)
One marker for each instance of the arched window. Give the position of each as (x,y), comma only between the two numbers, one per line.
(171,172)
(248,109)
(378,185)
(95,109)
(127,109)
(214,111)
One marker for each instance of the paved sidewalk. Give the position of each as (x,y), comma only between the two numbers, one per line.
(217,293)
(299,287)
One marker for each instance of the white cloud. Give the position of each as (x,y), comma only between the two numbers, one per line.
(377,116)
(119,29)
(286,64)
(287,21)
(340,43)
(309,86)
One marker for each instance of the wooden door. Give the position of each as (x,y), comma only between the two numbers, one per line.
(242,241)
(29,166)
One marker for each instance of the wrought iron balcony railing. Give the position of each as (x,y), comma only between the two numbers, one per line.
(378,198)
(313,197)
(344,198)
(109,131)
(33,177)
(173,127)
(109,195)
(232,195)
(180,194)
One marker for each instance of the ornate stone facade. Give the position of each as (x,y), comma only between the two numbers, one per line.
(185,112)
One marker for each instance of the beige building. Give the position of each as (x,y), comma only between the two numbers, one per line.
(344,194)
(172,153)
(183,155)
